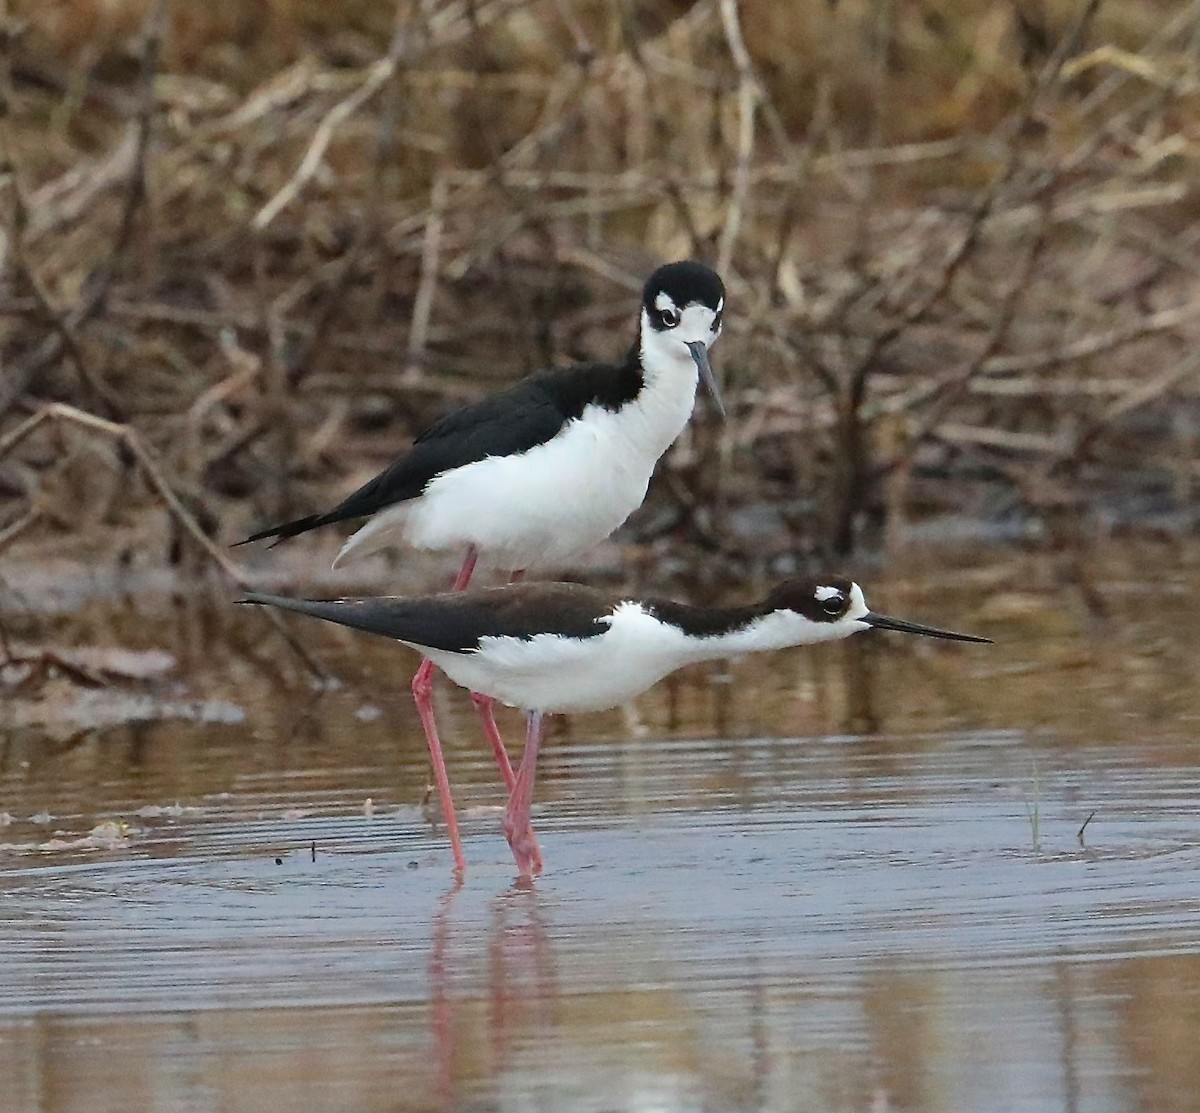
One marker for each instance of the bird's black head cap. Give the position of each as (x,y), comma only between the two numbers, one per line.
(819,598)
(685,283)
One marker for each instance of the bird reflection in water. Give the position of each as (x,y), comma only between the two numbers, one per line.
(522,982)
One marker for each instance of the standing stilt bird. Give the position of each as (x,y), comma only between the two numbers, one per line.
(542,471)
(553,647)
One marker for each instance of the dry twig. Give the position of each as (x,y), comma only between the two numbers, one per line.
(123,434)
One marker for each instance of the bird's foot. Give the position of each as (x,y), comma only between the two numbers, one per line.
(523,843)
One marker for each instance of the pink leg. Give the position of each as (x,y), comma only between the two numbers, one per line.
(422,689)
(517,828)
(487,714)
(485,705)
(464,573)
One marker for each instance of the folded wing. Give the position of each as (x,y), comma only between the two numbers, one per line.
(457,622)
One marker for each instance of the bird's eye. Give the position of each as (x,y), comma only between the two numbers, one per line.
(834,605)
(669,316)
(716,321)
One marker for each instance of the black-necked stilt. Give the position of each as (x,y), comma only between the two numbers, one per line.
(544,470)
(553,647)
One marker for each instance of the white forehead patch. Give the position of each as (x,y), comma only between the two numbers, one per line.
(823,593)
(720,305)
(664,301)
(858,605)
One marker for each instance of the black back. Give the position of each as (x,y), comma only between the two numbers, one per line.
(702,622)
(457,622)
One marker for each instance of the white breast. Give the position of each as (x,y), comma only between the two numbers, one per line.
(550,503)
(552,673)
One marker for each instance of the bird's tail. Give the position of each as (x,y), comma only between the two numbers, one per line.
(391,617)
(288,529)
(318,608)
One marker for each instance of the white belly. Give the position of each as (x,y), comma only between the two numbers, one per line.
(555,674)
(544,506)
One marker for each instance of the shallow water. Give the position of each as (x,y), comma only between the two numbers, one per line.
(845,879)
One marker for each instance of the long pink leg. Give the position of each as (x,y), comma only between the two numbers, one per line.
(422,689)
(487,715)
(485,705)
(516,824)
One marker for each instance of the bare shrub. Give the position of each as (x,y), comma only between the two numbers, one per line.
(274,240)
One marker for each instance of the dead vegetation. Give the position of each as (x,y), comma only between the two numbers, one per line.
(250,248)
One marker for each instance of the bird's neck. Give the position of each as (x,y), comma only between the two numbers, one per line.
(709,633)
(647,640)
(754,630)
(664,402)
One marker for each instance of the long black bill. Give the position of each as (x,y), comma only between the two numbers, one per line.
(883,622)
(699,352)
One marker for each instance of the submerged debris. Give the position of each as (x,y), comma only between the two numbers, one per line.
(92,708)
(165,811)
(93,666)
(112,834)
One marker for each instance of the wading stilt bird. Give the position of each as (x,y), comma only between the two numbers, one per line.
(553,647)
(542,471)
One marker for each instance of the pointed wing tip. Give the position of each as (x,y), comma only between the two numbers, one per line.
(285,532)
(268,534)
(260,535)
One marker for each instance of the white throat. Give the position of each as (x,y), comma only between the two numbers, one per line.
(777,630)
(664,353)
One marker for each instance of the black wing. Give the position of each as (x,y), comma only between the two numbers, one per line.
(526,415)
(457,621)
